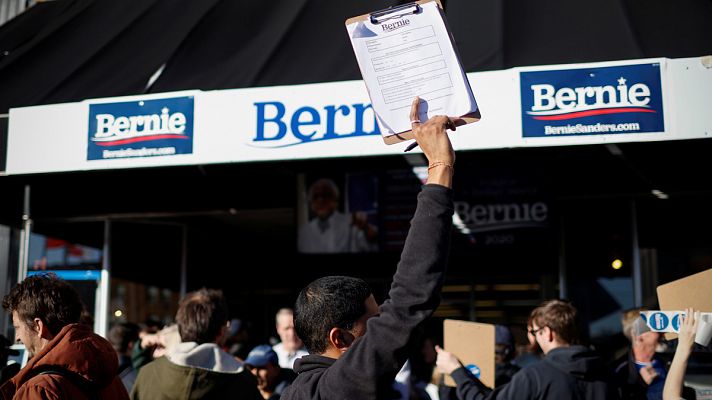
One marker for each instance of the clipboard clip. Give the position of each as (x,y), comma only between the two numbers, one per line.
(395,12)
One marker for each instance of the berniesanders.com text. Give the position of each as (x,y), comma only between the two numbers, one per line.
(595,128)
(143,152)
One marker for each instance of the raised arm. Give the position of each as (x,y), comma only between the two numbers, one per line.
(377,356)
(685,343)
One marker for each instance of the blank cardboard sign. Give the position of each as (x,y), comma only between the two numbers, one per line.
(691,291)
(473,344)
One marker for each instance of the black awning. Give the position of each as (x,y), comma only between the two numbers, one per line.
(69,50)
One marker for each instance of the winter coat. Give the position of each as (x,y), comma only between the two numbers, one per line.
(367,369)
(77,365)
(192,371)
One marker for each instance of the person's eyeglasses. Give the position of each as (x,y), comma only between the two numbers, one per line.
(534,331)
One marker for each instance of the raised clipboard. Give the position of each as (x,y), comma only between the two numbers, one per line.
(406,51)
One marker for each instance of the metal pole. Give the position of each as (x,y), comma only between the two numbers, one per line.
(635,253)
(563,273)
(184,264)
(101,320)
(5,278)
(24,255)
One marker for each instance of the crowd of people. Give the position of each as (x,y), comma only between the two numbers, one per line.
(571,370)
(336,343)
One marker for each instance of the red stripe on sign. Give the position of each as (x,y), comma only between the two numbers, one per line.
(588,113)
(140,139)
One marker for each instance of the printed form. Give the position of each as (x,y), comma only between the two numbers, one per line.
(409,53)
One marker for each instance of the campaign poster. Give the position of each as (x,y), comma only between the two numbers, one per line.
(341,214)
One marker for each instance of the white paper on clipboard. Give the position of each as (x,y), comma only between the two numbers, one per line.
(407,51)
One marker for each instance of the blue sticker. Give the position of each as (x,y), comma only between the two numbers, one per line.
(474,370)
(592,101)
(141,128)
(659,321)
(645,318)
(676,322)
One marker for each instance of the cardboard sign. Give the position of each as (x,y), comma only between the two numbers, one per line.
(691,291)
(473,344)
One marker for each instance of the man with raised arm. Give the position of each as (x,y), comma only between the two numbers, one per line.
(356,347)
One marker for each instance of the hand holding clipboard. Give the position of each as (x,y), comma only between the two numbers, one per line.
(404,52)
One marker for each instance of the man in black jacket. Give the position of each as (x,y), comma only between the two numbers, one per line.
(355,349)
(568,370)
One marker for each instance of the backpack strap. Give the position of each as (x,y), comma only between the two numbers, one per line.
(86,387)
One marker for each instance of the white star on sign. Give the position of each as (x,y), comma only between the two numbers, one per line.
(621,81)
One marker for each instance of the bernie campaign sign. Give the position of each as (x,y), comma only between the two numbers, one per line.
(592,101)
(143,128)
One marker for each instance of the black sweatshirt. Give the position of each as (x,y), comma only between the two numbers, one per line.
(571,372)
(367,369)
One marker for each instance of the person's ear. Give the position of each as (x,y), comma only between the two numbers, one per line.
(41,329)
(37,326)
(340,339)
(549,334)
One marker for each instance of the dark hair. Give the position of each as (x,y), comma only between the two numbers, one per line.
(561,317)
(332,301)
(201,315)
(121,335)
(46,297)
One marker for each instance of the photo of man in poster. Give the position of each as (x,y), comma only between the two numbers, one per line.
(330,230)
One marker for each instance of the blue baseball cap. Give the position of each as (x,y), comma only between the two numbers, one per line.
(261,355)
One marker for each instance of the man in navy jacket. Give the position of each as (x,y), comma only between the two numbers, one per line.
(568,370)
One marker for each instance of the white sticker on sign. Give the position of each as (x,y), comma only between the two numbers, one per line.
(669,321)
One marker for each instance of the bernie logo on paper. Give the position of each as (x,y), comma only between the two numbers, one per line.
(592,101)
(142,128)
